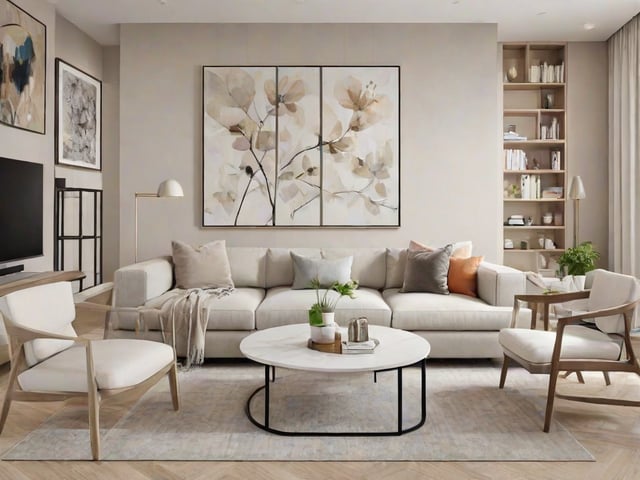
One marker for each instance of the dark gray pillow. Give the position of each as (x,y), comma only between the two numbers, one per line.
(327,271)
(427,271)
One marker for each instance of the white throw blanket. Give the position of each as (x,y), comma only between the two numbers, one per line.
(187,311)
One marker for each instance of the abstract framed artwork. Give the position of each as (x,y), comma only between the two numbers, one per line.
(301,146)
(23,60)
(78,117)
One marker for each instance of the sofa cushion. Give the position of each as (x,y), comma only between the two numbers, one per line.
(206,266)
(280,266)
(463,275)
(396,262)
(428,311)
(284,306)
(326,271)
(426,271)
(248,266)
(369,264)
(235,311)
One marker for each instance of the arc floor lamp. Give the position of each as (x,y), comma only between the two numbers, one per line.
(168,189)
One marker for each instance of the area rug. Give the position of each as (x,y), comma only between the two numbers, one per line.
(468,419)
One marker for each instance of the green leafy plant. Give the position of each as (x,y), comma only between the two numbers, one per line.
(578,260)
(327,303)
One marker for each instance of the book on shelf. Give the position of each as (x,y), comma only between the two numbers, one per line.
(513,136)
(530,187)
(552,192)
(545,73)
(515,159)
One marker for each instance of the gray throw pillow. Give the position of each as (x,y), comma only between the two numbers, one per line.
(206,266)
(326,271)
(427,271)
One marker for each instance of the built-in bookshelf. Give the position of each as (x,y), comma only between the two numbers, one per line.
(534,153)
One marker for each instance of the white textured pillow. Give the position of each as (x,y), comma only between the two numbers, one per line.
(206,266)
(326,271)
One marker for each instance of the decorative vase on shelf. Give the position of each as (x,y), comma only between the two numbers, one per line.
(512,74)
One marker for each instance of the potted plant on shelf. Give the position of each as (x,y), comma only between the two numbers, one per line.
(322,313)
(577,261)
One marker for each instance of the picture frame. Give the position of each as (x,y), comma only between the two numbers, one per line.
(23,50)
(301,146)
(78,125)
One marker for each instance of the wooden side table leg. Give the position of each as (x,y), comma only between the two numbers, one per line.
(534,314)
(545,316)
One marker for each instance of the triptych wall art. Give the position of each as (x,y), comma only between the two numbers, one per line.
(301,146)
(23,47)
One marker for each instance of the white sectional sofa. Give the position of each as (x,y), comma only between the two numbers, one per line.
(456,326)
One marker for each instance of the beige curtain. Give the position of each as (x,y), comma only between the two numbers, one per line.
(624,149)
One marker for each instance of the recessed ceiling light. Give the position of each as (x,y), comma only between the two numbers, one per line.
(589,26)
(541,13)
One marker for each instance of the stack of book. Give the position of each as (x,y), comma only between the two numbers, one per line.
(530,187)
(360,347)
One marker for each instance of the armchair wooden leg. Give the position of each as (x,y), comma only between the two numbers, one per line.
(580,377)
(503,373)
(7,397)
(607,380)
(94,426)
(173,384)
(553,378)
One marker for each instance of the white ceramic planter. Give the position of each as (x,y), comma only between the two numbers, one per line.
(578,281)
(324,333)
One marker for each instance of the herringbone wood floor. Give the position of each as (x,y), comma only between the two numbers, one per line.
(611,434)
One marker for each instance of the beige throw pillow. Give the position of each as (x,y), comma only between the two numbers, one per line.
(206,266)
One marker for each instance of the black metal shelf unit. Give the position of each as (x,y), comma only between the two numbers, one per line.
(78,223)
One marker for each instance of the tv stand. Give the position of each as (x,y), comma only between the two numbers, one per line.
(13,269)
(18,281)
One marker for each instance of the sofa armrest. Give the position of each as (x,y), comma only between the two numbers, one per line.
(497,284)
(136,284)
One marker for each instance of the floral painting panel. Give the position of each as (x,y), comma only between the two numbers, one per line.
(298,115)
(23,48)
(78,117)
(239,142)
(361,146)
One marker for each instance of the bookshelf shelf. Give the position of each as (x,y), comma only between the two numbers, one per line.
(537,111)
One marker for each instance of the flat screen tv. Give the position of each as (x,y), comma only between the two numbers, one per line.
(20,210)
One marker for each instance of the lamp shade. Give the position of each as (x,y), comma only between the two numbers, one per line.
(576,191)
(170,188)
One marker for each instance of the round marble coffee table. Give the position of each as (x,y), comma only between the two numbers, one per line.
(286,347)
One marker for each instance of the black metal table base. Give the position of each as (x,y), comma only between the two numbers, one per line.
(269,376)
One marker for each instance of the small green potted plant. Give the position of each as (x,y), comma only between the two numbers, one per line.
(322,313)
(577,261)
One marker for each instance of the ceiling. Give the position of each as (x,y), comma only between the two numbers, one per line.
(532,20)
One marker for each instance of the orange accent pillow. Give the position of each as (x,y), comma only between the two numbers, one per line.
(463,275)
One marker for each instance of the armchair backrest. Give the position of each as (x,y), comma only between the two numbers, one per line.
(609,290)
(49,308)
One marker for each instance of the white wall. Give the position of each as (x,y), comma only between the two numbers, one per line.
(588,141)
(450,185)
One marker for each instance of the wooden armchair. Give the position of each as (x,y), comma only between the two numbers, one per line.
(595,340)
(50,362)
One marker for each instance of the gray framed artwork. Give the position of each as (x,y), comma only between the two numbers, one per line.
(301,146)
(78,117)
(23,61)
